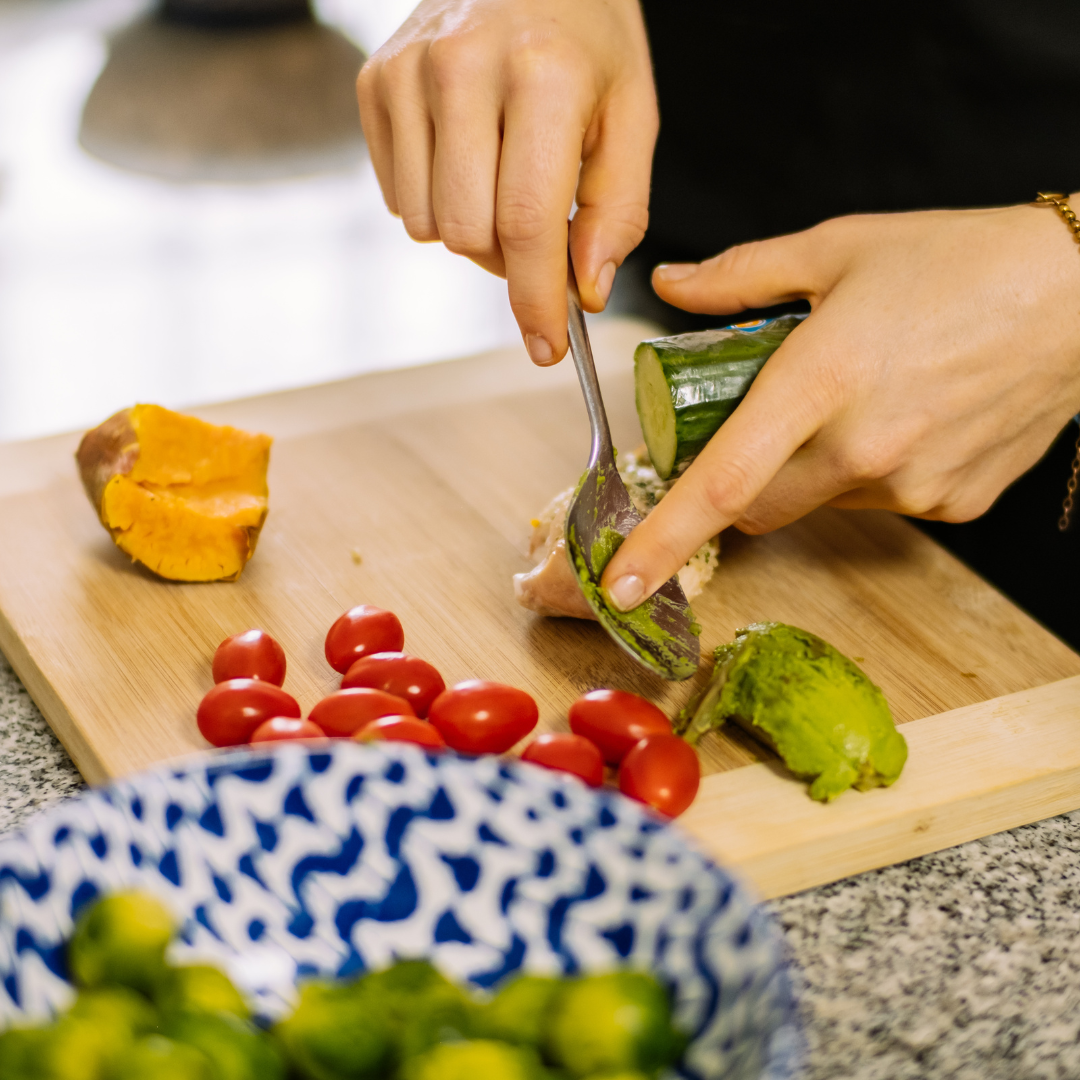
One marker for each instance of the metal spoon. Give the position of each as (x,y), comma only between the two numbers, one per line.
(661,633)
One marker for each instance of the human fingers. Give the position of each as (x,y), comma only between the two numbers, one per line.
(613,189)
(775,418)
(959,493)
(797,267)
(546,115)
(465,105)
(807,480)
(413,142)
(378,132)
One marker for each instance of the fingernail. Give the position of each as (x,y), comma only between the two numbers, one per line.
(539,349)
(627,592)
(675,271)
(605,279)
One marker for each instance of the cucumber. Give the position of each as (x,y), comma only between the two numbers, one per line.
(686,386)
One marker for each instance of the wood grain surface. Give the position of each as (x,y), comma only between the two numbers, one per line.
(413,490)
(972,771)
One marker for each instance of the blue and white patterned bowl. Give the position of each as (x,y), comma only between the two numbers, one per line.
(295,861)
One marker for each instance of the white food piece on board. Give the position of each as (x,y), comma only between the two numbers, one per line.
(551,588)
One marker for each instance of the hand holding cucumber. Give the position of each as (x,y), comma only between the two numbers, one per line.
(941,358)
(486,119)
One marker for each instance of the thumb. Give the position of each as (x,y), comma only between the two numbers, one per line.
(778,415)
(613,195)
(754,275)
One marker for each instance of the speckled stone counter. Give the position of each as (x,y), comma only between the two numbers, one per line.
(962,965)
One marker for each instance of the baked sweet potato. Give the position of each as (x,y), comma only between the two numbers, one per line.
(185,498)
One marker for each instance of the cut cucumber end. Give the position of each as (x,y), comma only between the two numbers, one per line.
(655,409)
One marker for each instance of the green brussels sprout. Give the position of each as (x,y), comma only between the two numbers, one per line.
(116,1006)
(477,1059)
(338,1033)
(20,1052)
(517,1013)
(72,1048)
(423,1007)
(618,1022)
(199,988)
(406,977)
(235,1049)
(157,1058)
(121,939)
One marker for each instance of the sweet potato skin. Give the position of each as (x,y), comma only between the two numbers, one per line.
(185,498)
(111,449)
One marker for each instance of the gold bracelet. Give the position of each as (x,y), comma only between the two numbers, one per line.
(1060,203)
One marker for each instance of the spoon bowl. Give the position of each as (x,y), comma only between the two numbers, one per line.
(660,633)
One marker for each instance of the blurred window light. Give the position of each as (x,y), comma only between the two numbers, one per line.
(117,287)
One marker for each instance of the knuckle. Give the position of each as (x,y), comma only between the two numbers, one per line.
(420,227)
(451,60)
(920,499)
(632,219)
(523,221)
(727,489)
(529,313)
(740,259)
(753,524)
(532,65)
(965,508)
(467,238)
(867,459)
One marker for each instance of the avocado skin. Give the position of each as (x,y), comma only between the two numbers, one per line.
(809,702)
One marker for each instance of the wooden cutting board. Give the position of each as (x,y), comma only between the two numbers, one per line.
(413,490)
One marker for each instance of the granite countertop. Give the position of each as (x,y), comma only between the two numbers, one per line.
(964,964)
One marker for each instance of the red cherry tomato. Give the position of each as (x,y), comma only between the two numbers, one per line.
(615,720)
(361,631)
(400,674)
(567,753)
(345,712)
(282,728)
(478,717)
(401,729)
(254,654)
(233,709)
(662,771)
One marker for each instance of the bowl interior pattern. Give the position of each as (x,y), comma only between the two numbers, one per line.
(293,862)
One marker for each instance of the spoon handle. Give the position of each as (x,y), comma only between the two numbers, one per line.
(586,370)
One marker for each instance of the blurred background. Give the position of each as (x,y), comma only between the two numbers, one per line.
(188,213)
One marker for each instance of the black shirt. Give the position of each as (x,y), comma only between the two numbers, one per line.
(775,116)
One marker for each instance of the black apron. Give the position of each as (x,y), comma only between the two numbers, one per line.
(775,116)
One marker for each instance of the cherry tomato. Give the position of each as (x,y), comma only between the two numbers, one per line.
(254,654)
(282,728)
(401,729)
(361,631)
(662,771)
(345,712)
(615,720)
(233,709)
(567,753)
(400,674)
(478,717)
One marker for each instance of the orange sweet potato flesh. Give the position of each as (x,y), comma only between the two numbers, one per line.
(185,498)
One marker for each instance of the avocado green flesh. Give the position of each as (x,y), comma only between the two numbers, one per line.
(828,722)
(631,627)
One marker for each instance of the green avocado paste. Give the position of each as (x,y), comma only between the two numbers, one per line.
(632,627)
(809,702)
